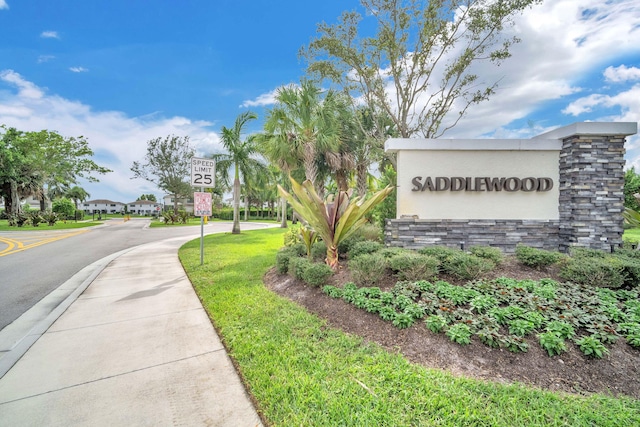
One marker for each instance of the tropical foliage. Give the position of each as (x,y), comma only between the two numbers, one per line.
(333,220)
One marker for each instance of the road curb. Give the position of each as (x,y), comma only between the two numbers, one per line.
(17,337)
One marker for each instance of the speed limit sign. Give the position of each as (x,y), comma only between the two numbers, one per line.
(203,172)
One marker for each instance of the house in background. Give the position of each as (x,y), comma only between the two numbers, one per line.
(184,203)
(144,207)
(102,206)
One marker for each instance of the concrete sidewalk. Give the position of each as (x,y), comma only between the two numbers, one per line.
(135,349)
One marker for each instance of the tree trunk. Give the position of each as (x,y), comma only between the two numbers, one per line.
(236,207)
(362,177)
(15,200)
(332,257)
(246,208)
(341,179)
(43,202)
(283,204)
(309,160)
(175,204)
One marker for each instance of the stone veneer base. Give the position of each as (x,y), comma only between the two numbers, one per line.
(505,234)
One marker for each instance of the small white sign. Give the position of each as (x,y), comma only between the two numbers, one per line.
(203,172)
(202,204)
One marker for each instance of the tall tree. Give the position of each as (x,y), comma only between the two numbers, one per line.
(77,194)
(418,66)
(277,144)
(308,122)
(29,161)
(239,158)
(167,164)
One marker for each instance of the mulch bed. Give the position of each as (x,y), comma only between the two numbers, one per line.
(572,372)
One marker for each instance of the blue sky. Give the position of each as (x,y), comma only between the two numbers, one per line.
(124,72)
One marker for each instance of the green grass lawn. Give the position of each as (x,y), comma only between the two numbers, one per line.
(60,225)
(632,235)
(302,372)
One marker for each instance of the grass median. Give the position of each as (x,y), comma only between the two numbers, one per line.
(60,225)
(302,372)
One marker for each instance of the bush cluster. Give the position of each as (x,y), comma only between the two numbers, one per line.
(598,268)
(537,258)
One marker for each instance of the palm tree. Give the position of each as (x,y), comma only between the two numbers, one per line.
(277,145)
(307,122)
(77,194)
(239,158)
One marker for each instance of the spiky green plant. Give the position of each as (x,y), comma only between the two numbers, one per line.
(333,220)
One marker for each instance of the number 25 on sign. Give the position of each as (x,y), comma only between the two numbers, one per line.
(203,172)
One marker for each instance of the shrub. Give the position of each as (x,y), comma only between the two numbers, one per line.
(297,267)
(364,247)
(390,252)
(169,217)
(443,253)
(292,235)
(460,333)
(562,329)
(591,346)
(35,218)
(344,247)
(283,257)
(318,251)
(332,291)
(605,272)
(316,274)
(64,207)
(537,258)
(468,267)
(553,343)
(414,266)
(368,269)
(370,232)
(435,323)
(492,254)
(403,320)
(50,217)
(183,216)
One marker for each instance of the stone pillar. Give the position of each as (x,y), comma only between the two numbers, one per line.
(591,198)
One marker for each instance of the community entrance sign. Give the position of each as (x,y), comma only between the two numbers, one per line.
(555,191)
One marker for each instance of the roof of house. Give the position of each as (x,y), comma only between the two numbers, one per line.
(143,202)
(102,202)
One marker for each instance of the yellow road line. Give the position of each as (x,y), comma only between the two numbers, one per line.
(14,245)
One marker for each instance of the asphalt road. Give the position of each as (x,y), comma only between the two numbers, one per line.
(29,275)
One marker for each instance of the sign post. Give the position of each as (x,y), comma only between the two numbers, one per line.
(203,173)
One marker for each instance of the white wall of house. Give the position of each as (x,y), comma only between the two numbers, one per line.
(144,207)
(186,204)
(102,206)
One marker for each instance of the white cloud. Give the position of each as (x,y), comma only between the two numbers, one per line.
(562,41)
(621,74)
(49,35)
(45,58)
(78,69)
(27,90)
(3,5)
(263,100)
(587,104)
(117,139)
